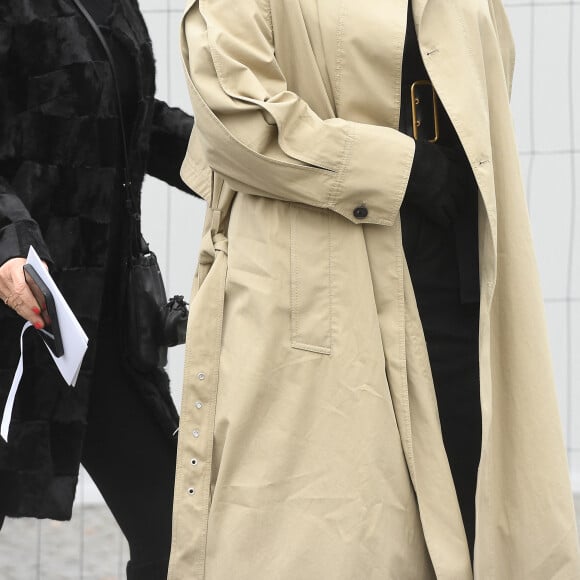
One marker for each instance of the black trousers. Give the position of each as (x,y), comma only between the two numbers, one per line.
(131,460)
(452,334)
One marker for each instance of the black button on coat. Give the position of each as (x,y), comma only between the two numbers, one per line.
(360,212)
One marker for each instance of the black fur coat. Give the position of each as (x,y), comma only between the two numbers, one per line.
(59,186)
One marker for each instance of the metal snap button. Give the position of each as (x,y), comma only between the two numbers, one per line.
(191,491)
(198,404)
(195,433)
(193,461)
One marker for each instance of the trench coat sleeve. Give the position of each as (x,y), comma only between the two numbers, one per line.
(505,39)
(266,140)
(170,133)
(18,231)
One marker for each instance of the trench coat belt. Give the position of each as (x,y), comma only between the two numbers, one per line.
(200,390)
(220,243)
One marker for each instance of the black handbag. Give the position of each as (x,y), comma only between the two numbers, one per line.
(149,322)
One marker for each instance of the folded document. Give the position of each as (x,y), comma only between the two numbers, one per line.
(74,341)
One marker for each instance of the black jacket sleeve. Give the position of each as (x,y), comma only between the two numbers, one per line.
(18,231)
(169,138)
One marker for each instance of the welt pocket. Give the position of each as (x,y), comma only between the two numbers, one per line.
(311,279)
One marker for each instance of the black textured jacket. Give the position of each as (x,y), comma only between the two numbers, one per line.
(59,187)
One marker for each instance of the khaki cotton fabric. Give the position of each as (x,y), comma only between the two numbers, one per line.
(309,445)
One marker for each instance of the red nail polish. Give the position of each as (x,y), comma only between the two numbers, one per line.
(38,325)
(36,310)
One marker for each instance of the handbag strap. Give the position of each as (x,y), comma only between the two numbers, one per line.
(131,206)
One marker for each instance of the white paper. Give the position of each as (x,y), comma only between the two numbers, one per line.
(7,415)
(74,341)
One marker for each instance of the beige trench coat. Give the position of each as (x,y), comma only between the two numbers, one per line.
(301,457)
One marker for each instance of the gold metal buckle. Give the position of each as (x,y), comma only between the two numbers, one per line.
(415,100)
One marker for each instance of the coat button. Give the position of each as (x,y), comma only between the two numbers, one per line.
(360,212)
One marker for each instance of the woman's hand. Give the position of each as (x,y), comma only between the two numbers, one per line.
(16,294)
